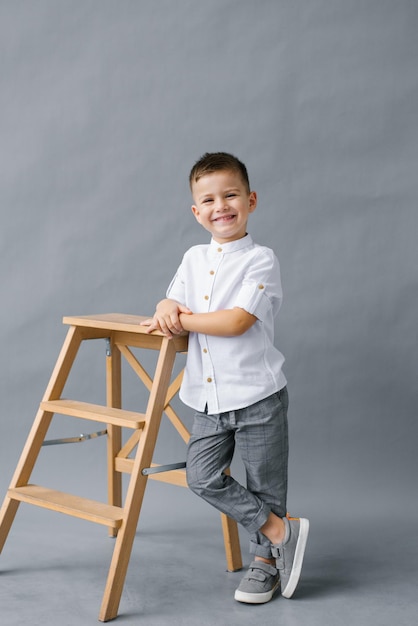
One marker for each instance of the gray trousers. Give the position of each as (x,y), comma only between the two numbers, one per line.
(260,434)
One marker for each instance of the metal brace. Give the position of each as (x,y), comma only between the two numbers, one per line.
(108,347)
(82,437)
(162,468)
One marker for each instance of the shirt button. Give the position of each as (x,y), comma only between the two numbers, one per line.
(219,249)
(205,351)
(211,272)
(209,379)
(206,297)
(261,286)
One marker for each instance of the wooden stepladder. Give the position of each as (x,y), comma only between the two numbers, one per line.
(121,332)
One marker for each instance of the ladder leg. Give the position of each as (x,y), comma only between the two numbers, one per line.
(23,471)
(231,541)
(124,541)
(137,483)
(39,429)
(114,433)
(232,544)
(7,515)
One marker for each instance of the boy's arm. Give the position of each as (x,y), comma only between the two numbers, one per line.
(171,318)
(224,323)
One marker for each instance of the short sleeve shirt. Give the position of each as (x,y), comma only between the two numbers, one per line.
(228,373)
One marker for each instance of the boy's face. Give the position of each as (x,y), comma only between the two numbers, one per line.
(222,205)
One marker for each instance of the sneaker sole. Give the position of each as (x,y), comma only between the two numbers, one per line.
(255,598)
(298,560)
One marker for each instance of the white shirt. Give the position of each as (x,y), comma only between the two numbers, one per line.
(229,373)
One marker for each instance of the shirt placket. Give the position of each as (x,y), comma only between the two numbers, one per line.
(209,378)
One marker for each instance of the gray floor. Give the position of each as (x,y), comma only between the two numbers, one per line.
(360,570)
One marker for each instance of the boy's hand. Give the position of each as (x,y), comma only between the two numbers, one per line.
(166,318)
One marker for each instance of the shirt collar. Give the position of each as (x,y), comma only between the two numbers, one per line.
(231,246)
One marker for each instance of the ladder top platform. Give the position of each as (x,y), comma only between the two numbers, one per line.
(114,321)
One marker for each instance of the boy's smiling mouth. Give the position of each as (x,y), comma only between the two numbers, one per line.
(224,218)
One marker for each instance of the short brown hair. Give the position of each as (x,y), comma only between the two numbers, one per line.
(214,162)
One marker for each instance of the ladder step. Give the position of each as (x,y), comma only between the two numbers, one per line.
(70,505)
(95,412)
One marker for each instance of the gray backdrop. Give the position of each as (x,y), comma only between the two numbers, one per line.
(104,107)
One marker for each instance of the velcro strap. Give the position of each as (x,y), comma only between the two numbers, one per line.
(275,550)
(257,574)
(259,570)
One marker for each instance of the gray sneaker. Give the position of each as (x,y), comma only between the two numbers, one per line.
(289,554)
(258,584)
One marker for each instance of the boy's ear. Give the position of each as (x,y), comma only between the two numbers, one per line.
(196,212)
(252,201)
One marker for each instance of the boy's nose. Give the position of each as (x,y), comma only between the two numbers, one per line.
(221,205)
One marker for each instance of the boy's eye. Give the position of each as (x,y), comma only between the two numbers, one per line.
(231,195)
(206,200)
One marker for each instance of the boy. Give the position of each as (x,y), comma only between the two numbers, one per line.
(226,294)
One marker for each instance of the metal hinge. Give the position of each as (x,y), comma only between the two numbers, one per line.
(162,468)
(82,437)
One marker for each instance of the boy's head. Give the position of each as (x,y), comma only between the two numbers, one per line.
(215,162)
(222,196)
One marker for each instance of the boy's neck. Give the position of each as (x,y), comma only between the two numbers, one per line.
(222,242)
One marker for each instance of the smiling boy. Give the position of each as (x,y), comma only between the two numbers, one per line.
(227,294)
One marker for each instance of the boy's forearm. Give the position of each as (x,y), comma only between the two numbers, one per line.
(225,323)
